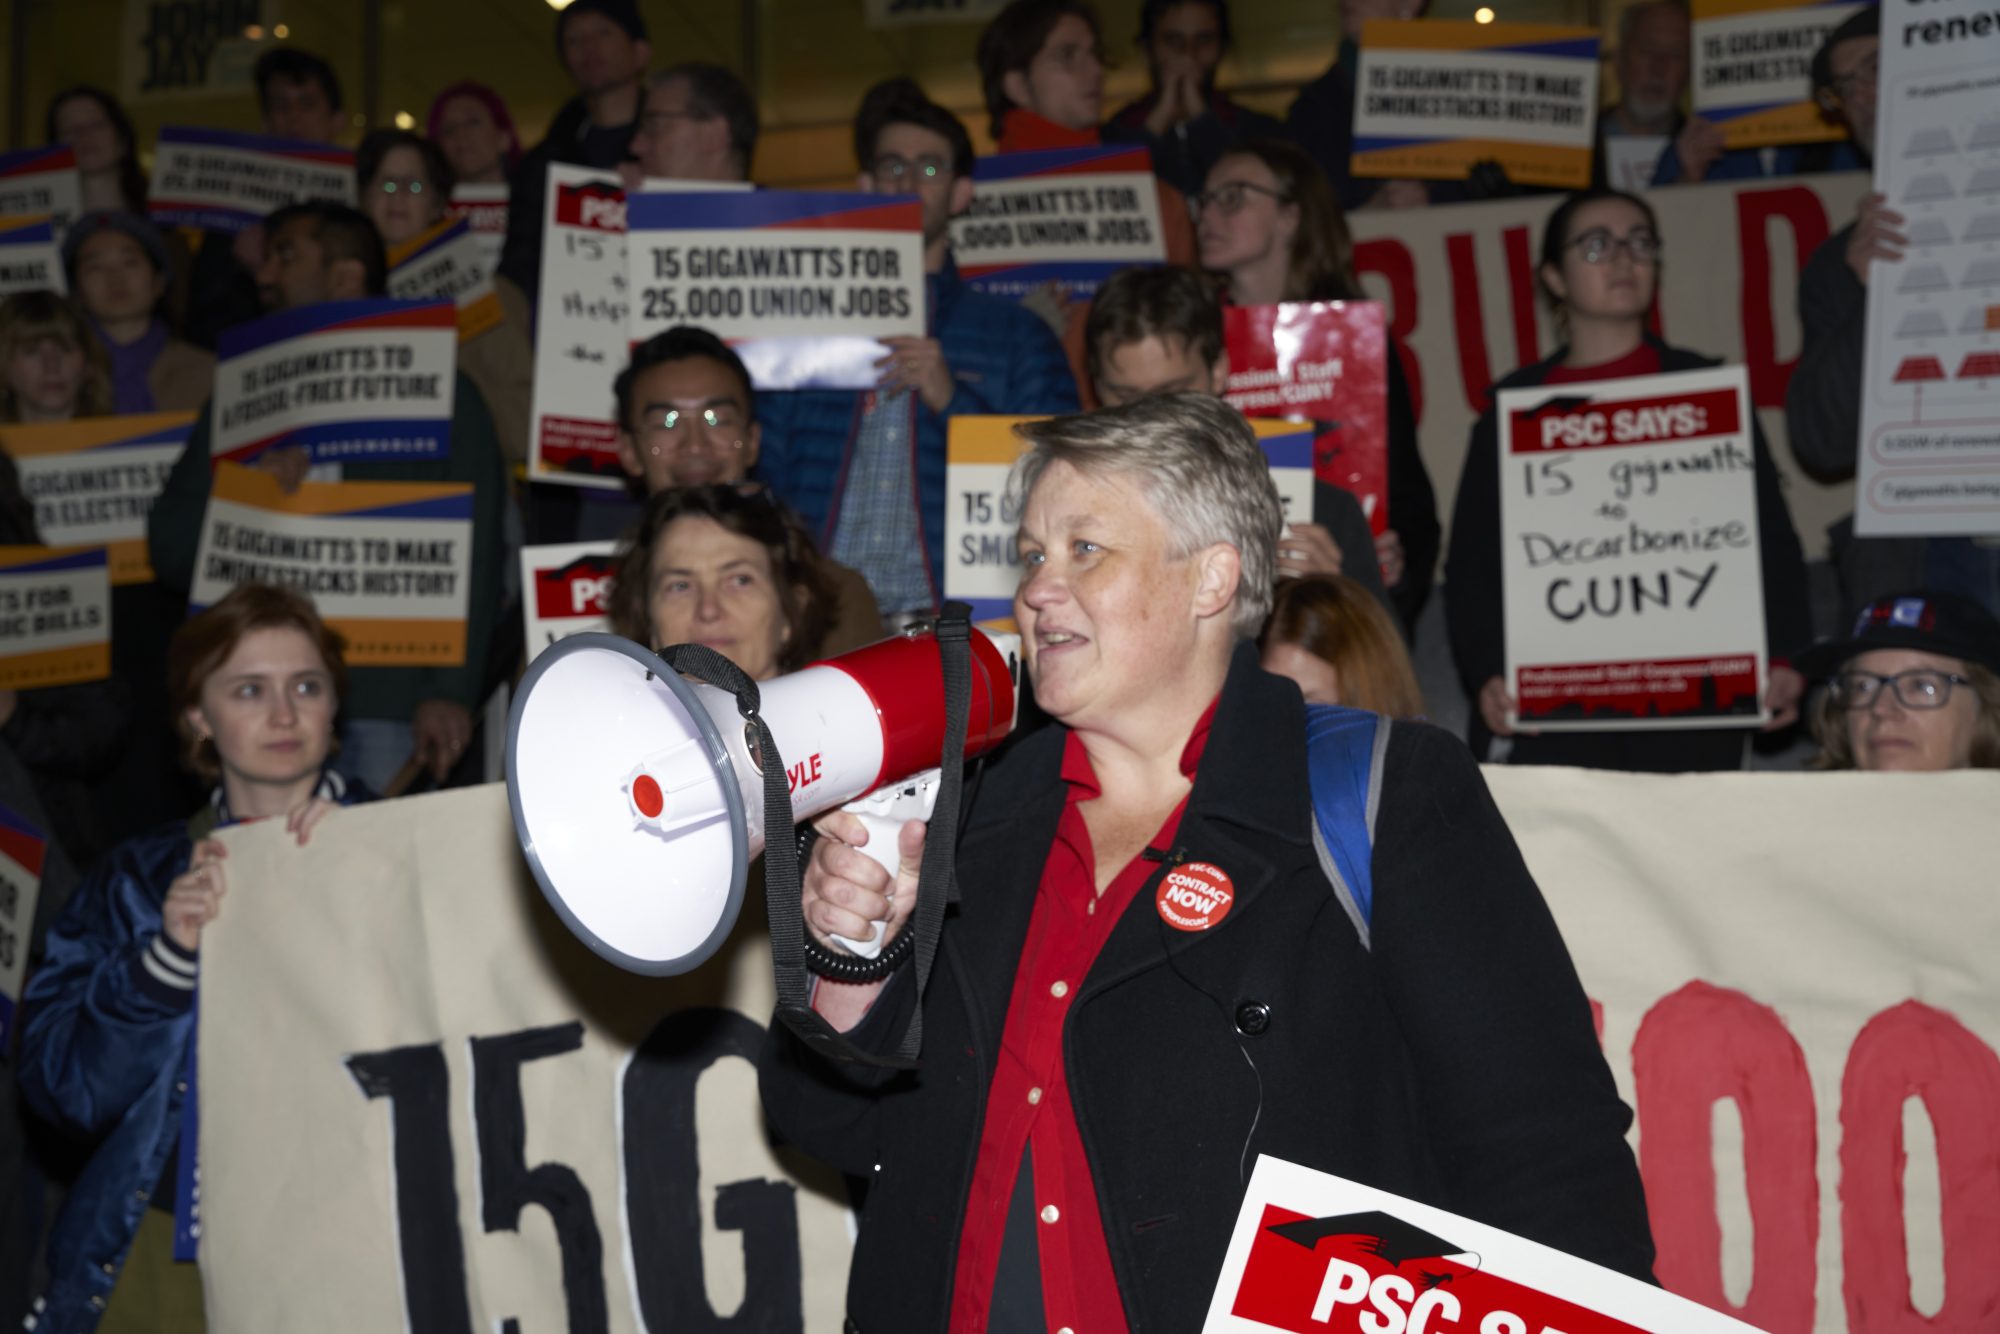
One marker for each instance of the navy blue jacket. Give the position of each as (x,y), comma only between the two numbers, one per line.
(1003,359)
(102,1048)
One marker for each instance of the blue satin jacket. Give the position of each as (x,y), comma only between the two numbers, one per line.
(108,1017)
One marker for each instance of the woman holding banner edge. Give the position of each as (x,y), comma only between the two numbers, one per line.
(257,681)
(1600,265)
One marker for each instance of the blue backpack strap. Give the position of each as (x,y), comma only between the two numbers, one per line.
(1344,755)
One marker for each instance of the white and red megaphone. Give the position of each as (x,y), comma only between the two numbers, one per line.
(638,795)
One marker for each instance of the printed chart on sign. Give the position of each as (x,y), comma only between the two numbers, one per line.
(1930,441)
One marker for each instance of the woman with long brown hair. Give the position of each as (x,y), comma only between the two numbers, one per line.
(1334,640)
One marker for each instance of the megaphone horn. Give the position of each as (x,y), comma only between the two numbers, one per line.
(638,794)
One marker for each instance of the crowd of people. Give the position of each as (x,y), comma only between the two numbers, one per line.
(779,527)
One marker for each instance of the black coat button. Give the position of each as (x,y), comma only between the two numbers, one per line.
(1252,1018)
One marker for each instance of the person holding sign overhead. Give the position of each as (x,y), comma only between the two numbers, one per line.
(687,417)
(328,252)
(1159,331)
(1600,264)
(867,471)
(406,187)
(257,681)
(1149,979)
(1271,226)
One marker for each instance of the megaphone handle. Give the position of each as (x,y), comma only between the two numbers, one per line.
(883,832)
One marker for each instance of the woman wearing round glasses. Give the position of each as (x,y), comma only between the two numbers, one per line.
(1271,227)
(1914,689)
(1600,265)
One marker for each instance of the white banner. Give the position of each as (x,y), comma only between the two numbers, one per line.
(565,590)
(484,208)
(1629,553)
(1930,401)
(504,1128)
(1458,283)
(30,256)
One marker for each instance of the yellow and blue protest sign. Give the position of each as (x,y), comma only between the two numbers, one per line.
(448,262)
(372,379)
(225,181)
(1069,215)
(1753,68)
(42,182)
(55,616)
(802,283)
(388,564)
(1433,97)
(93,481)
(30,259)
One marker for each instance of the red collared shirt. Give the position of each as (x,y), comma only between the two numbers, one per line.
(1028,1108)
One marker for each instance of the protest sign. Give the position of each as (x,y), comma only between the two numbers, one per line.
(225,181)
(388,564)
(565,590)
(411,998)
(181,49)
(484,208)
(93,481)
(55,616)
(801,283)
(906,13)
(982,566)
(1753,69)
(350,380)
(22,848)
(1629,553)
(1314,1253)
(1326,361)
(583,333)
(30,256)
(1435,96)
(1930,398)
(1069,215)
(42,182)
(1459,290)
(447,263)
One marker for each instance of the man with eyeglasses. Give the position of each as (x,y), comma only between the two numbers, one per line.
(866,471)
(699,123)
(687,417)
(603,47)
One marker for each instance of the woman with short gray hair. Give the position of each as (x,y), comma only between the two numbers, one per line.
(1152,977)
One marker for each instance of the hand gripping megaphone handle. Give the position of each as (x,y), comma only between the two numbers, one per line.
(884,812)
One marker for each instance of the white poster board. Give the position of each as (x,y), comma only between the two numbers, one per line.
(565,590)
(1930,401)
(1629,553)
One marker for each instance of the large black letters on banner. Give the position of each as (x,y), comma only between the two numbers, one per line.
(508,1185)
(663,1199)
(417,1085)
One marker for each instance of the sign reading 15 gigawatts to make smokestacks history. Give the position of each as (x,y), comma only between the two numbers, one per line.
(1930,399)
(1753,69)
(1629,553)
(1433,97)
(803,284)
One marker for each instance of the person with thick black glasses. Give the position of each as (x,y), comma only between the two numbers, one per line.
(1915,688)
(1600,264)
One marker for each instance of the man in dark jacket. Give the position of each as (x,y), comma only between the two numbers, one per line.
(866,471)
(1149,980)
(1184,121)
(328,252)
(603,46)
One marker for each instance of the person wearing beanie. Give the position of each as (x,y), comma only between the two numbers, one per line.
(603,46)
(118,267)
(1914,688)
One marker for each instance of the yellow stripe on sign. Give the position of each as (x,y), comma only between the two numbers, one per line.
(87,433)
(259,489)
(14,557)
(1797,123)
(1452,159)
(1463,34)
(387,643)
(131,563)
(56,667)
(984,439)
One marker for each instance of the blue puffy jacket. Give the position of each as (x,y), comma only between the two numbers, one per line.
(108,1017)
(1003,359)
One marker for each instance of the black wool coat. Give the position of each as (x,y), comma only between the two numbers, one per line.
(1456,1063)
